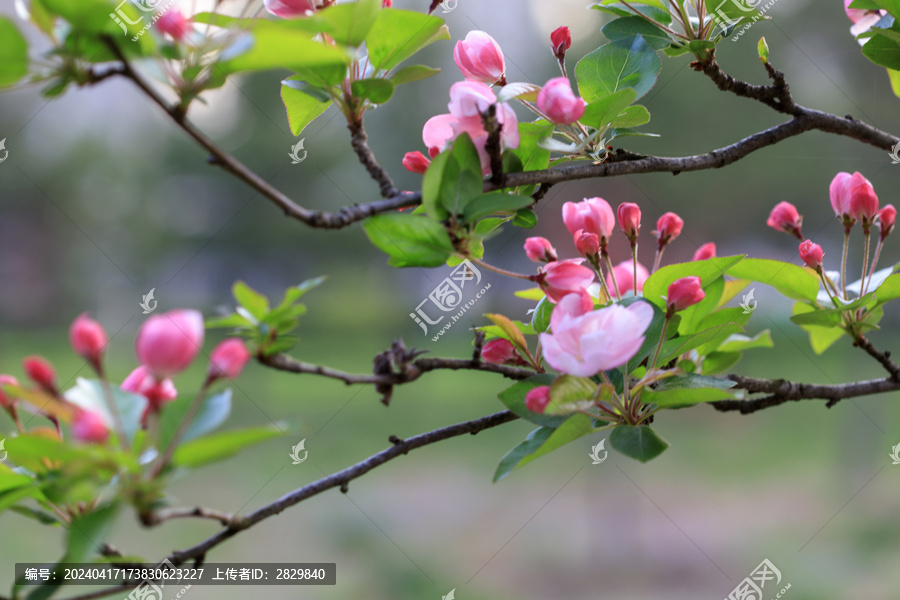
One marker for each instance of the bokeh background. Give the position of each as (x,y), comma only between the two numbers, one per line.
(102,199)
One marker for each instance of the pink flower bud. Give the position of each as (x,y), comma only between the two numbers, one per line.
(629,215)
(480,58)
(540,249)
(560,41)
(387,3)
(5,401)
(557,100)
(89,426)
(624,274)
(841,193)
(812,254)
(856,14)
(174,24)
(157,392)
(500,352)
(228,359)
(592,215)
(588,244)
(668,227)
(705,252)
(864,204)
(886,218)
(291,9)
(537,399)
(167,343)
(41,372)
(88,339)
(784,217)
(683,293)
(563,277)
(416,162)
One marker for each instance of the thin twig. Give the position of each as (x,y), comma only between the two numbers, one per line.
(199,512)
(882,357)
(360,143)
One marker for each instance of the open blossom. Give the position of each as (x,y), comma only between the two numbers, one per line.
(705,252)
(291,9)
(537,399)
(416,162)
(468,100)
(500,352)
(624,274)
(887,216)
(862,19)
(683,293)
(480,58)
(157,391)
(540,249)
(167,343)
(228,359)
(629,215)
(563,277)
(88,339)
(784,217)
(174,24)
(89,426)
(812,254)
(557,100)
(591,215)
(560,41)
(668,227)
(583,343)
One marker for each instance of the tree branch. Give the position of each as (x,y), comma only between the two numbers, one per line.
(199,512)
(360,142)
(882,357)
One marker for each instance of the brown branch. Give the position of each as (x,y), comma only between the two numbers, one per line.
(882,357)
(360,142)
(777,95)
(492,145)
(199,512)
(780,391)
(341,480)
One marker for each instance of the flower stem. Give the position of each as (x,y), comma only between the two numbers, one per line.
(114,412)
(657,259)
(612,274)
(192,411)
(844,261)
(874,263)
(662,339)
(481,263)
(634,251)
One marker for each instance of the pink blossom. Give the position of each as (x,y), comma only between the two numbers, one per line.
(560,41)
(500,352)
(624,274)
(668,227)
(812,254)
(585,343)
(228,359)
(843,189)
(416,162)
(167,343)
(629,215)
(705,252)
(89,426)
(291,9)
(480,58)
(684,293)
(88,339)
(540,249)
(587,244)
(864,204)
(784,217)
(5,401)
(537,399)
(887,216)
(557,100)
(156,391)
(563,277)
(174,24)
(40,371)
(591,215)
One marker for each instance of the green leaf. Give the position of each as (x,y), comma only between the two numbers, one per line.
(763,49)
(640,443)
(510,330)
(350,23)
(676,398)
(13,53)
(792,281)
(693,381)
(569,393)
(540,319)
(514,399)
(657,285)
(693,316)
(377,91)
(212,415)
(280,45)
(651,336)
(463,180)
(615,66)
(255,303)
(232,321)
(87,534)
(543,441)
(888,290)
(495,202)
(410,240)
(601,113)
(738,342)
(623,31)
(531,155)
(398,34)
(654,9)
(633,116)
(302,108)
(720,362)
(713,336)
(882,50)
(413,73)
(216,447)
(820,338)
(525,218)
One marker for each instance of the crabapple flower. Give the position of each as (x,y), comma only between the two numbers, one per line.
(416,162)
(705,252)
(784,217)
(591,215)
(157,391)
(557,100)
(583,343)
(842,191)
(228,359)
(624,274)
(174,24)
(480,58)
(41,372)
(587,244)
(89,426)
(5,401)
(167,343)
(540,249)
(500,352)
(668,227)
(88,339)
(564,277)
(887,216)
(812,254)
(864,204)
(291,9)
(560,41)
(629,215)
(862,19)
(683,293)
(537,399)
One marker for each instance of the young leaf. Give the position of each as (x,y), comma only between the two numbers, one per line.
(623,31)
(377,91)
(412,73)
(212,415)
(495,202)
(513,398)
(676,398)
(657,285)
(350,23)
(279,45)
(13,53)
(398,34)
(509,328)
(302,108)
(630,63)
(222,445)
(255,303)
(640,443)
(410,240)
(544,441)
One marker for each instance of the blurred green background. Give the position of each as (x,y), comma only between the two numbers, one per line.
(103,199)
